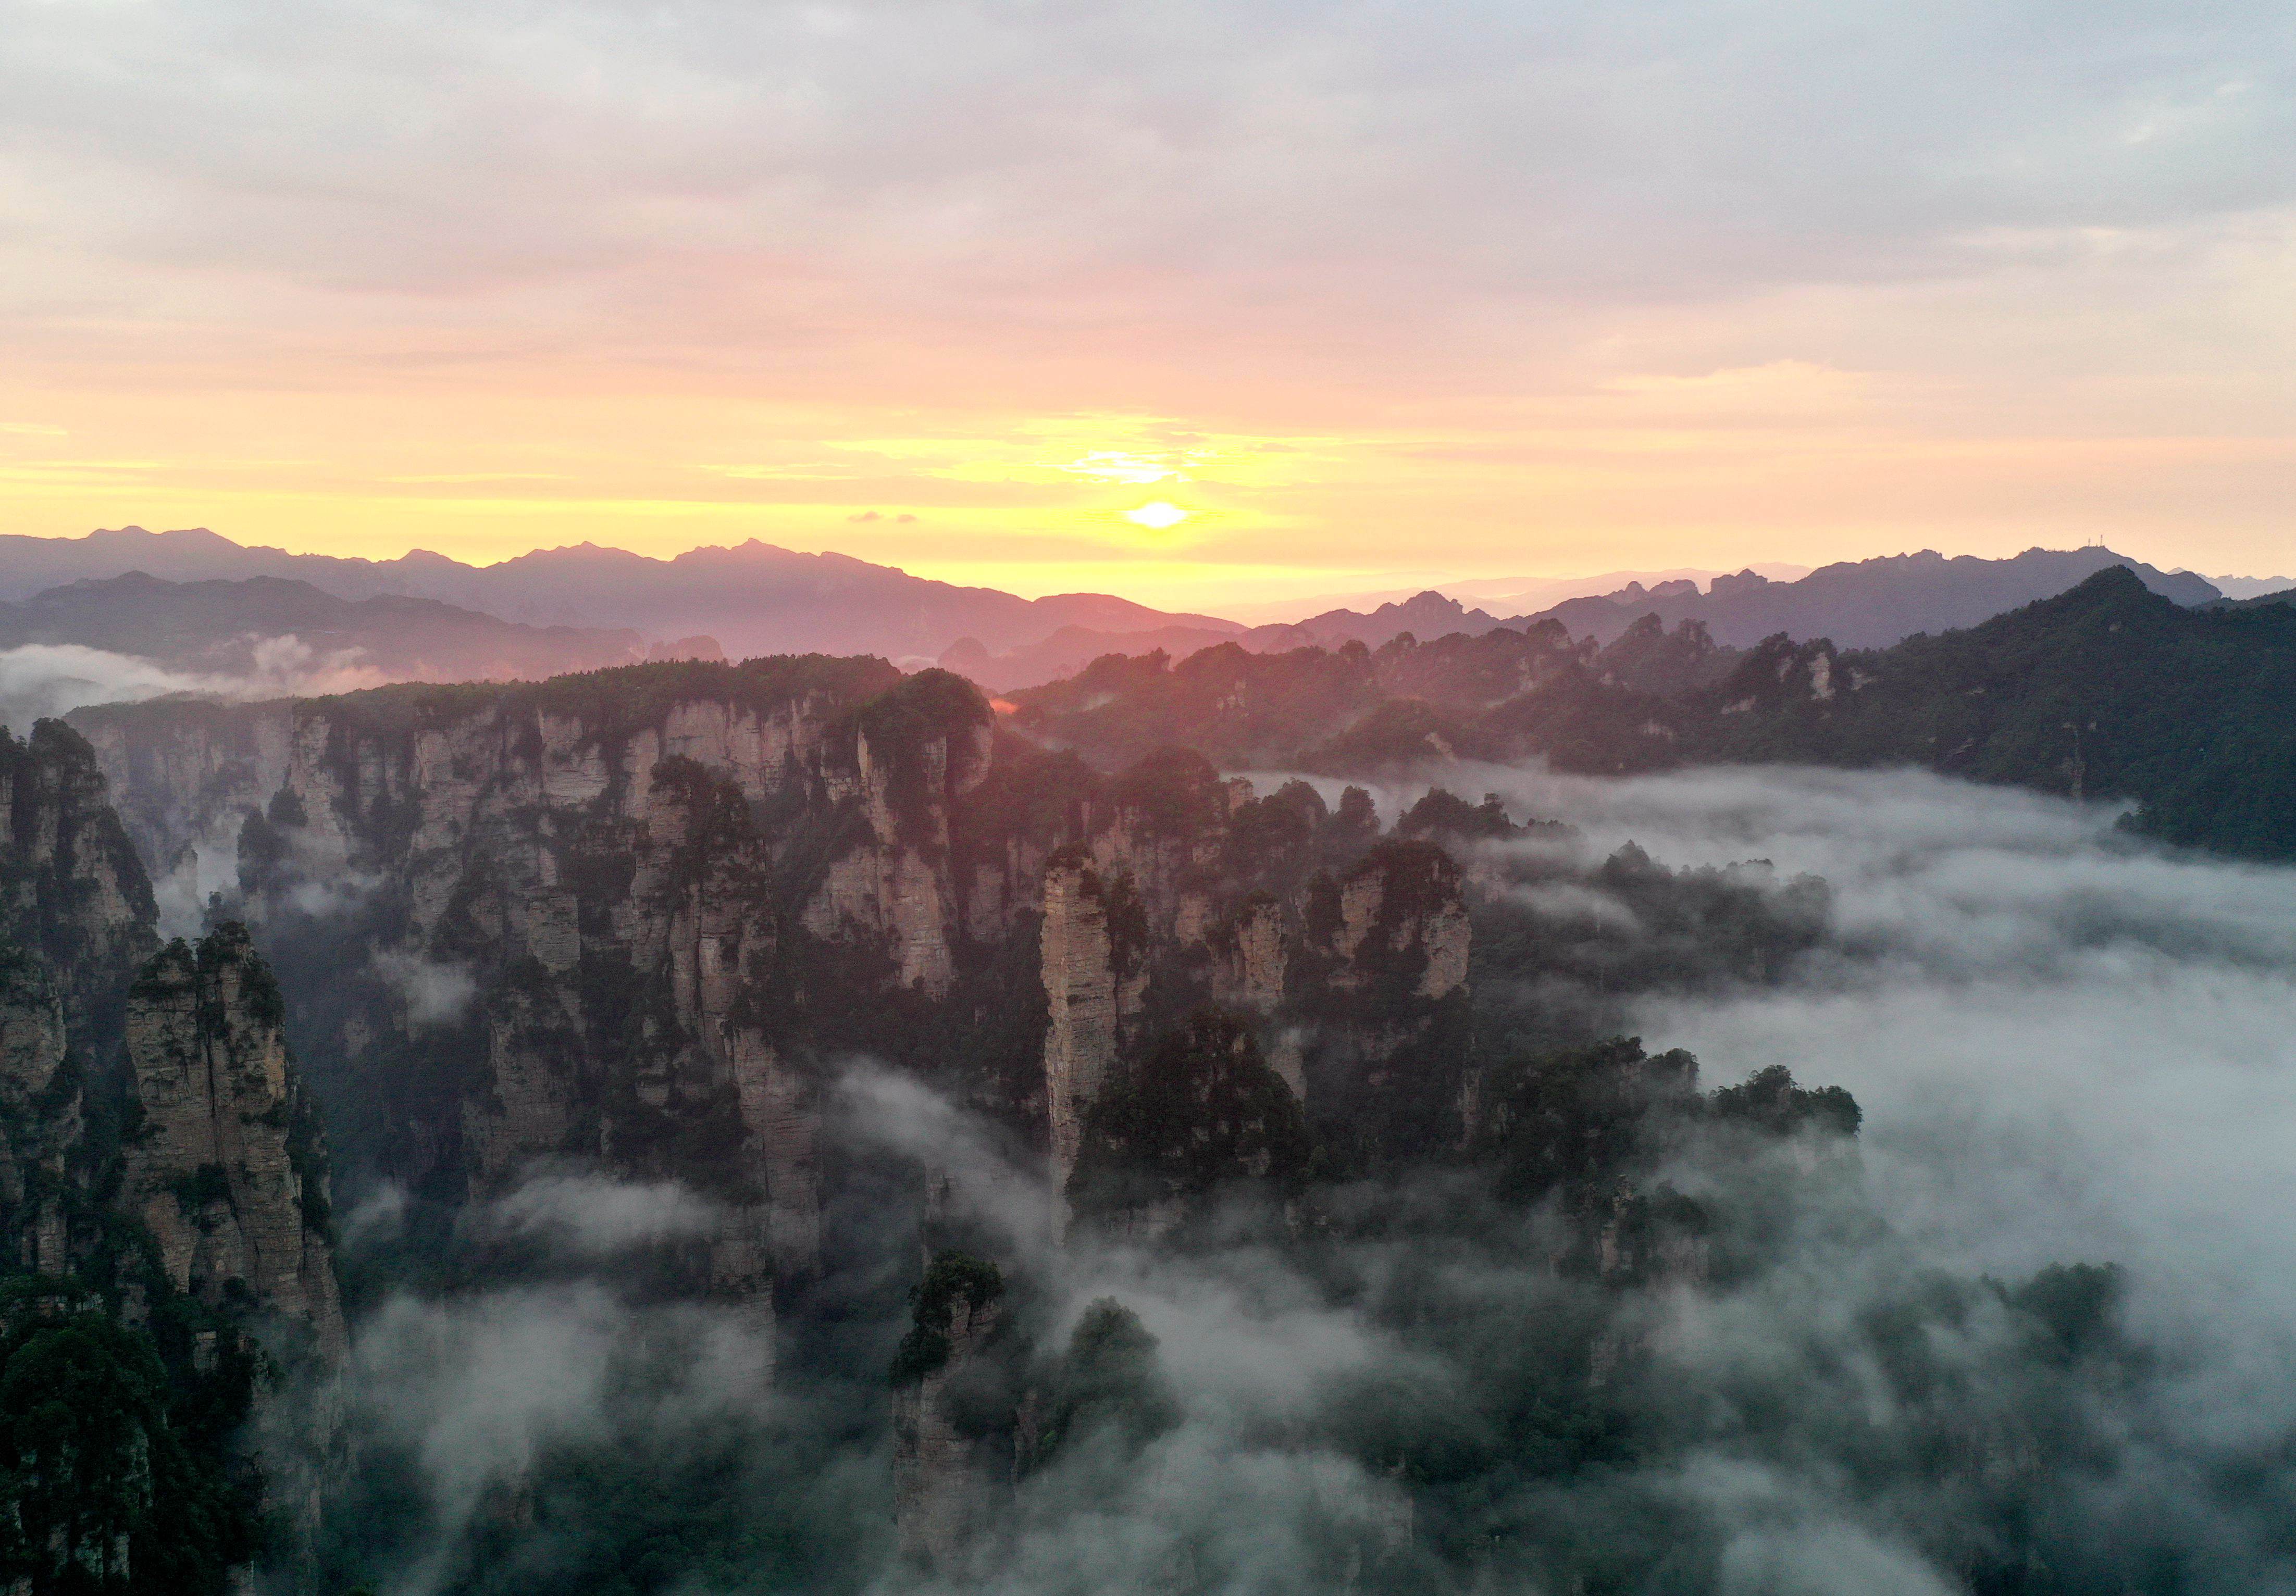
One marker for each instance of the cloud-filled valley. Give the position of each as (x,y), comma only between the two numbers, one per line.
(827,797)
(49,679)
(2070,1048)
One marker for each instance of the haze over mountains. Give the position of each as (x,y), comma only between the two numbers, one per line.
(191,611)
(218,626)
(1868,604)
(134,637)
(799,1127)
(558,986)
(2108,690)
(753,598)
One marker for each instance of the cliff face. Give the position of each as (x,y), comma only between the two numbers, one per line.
(225,1169)
(638,921)
(1344,959)
(72,890)
(163,1186)
(41,1124)
(614,918)
(76,915)
(1081,994)
(953,1445)
(659,902)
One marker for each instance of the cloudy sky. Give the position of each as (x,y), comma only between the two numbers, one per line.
(1369,291)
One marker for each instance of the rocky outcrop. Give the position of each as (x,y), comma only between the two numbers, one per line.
(72,890)
(1346,957)
(1254,979)
(1402,911)
(617,913)
(638,924)
(225,1169)
(226,1172)
(781,1123)
(41,1121)
(670,898)
(160,1167)
(76,917)
(953,1456)
(1080,990)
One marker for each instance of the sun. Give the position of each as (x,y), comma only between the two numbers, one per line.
(1158,517)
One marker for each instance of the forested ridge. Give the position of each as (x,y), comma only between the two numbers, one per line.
(2105,692)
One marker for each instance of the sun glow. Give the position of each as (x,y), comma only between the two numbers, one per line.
(1117,465)
(1158,517)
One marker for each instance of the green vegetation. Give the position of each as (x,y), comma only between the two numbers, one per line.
(2104,692)
(952,1278)
(610,703)
(1202,1112)
(2107,691)
(101,1492)
(1235,707)
(898,725)
(1442,815)
(1575,1119)
(1397,737)
(1109,1386)
(2075,1309)
(1769,1100)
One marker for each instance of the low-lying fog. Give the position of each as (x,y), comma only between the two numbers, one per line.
(40,679)
(2069,1045)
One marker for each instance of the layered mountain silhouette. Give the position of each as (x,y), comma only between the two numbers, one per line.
(536,944)
(753,598)
(1868,604)
(2109,691)
(235,628)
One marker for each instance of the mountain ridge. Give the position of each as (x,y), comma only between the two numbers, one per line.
(213,625)
(639,923)
(756,598)
(1868,604)
(2108,690)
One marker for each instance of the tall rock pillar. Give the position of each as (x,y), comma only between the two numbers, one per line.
(226,1171)
(1081,991)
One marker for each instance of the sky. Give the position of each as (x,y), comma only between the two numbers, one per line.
(1366,292)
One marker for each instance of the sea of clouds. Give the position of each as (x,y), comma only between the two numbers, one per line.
(2070,1045)
(39,680)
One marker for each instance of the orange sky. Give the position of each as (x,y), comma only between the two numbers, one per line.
(1373,300)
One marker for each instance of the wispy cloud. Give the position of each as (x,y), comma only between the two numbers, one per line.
(1670,283)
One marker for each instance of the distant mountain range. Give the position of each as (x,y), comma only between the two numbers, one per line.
(135,636)
(2105,691)
(1868,604)
(232,628)
(754,598)
(2253,587)
(557,610)
(1501,595)
(2284,595)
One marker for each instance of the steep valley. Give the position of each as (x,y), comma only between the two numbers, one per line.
(169,1324)
(791,1127)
